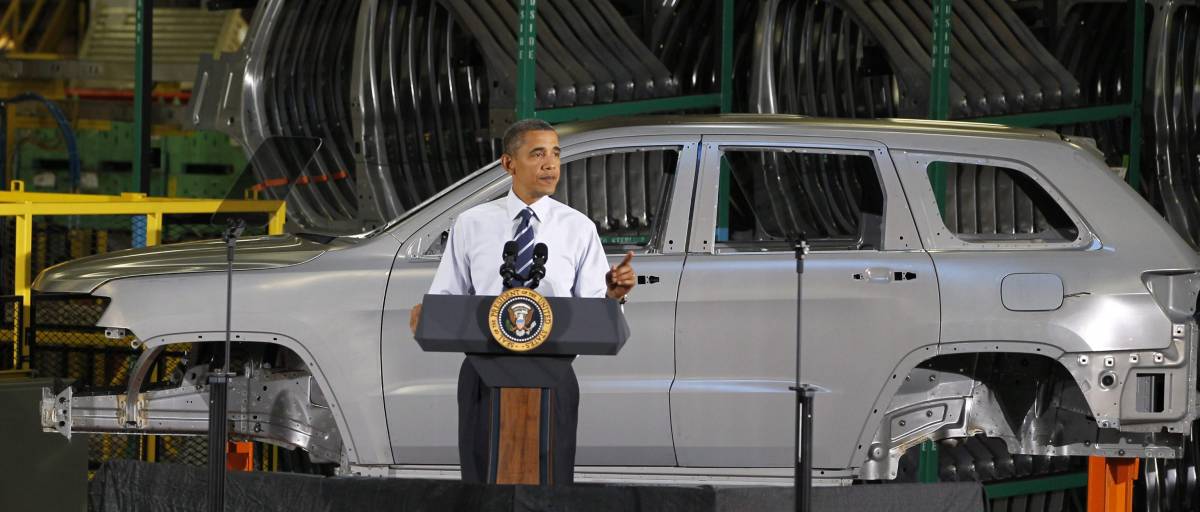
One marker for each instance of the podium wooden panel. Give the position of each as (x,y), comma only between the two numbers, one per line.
(519,438)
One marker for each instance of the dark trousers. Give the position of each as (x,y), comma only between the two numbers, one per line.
(475,422)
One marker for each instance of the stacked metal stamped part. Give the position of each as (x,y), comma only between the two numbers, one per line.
(1172,164)
(409,95)
(303,99)
(812,52)
(437,83)
(1170,485)
(1173,103)
(983,459)
(990,201)
(586,53)
(422,93)
(1092,40)
(686,37)
(289,80)
(619,191)
(870,59)
(824,65)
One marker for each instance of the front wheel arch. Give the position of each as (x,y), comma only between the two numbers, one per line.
(208,341)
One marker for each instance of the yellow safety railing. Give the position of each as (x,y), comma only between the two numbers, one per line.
(24,206)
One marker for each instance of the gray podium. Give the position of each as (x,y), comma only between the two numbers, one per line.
(521,383)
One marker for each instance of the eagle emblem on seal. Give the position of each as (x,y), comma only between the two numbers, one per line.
(520,319)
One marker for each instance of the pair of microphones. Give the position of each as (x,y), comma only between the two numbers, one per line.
(537,270)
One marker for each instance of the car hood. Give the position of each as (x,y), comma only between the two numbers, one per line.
(84,275)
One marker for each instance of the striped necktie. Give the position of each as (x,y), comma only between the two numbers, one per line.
(524,241)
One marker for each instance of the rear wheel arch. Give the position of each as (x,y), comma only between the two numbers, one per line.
(966,389)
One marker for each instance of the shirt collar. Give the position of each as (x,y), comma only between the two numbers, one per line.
(513,205)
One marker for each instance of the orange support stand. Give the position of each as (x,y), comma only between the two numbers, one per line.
(1110,484)
(239,456)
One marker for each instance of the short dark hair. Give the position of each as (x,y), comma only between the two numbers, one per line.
(516,131)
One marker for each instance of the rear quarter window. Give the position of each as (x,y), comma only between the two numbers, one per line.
(989,204)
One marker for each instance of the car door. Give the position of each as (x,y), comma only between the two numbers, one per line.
(638,191)
(869,298)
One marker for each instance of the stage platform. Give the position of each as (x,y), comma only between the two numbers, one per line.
(132,486)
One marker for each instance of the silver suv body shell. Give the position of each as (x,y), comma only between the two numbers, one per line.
(700,391)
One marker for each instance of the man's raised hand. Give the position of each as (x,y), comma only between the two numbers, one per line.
(621,278)
(414,318)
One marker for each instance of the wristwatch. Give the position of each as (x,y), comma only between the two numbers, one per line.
(623,299)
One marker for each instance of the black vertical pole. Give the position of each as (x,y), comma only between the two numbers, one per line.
(1050,18)
(804,500)
(218,389)
(143,85)
(4,185)
(218,392)
(802,479)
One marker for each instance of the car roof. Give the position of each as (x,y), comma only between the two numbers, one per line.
(753,122)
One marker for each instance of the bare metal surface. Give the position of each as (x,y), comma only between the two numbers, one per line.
(274,407)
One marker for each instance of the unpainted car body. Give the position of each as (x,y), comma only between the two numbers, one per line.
(1060,341)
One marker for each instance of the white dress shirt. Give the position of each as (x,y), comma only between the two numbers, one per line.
(575,264)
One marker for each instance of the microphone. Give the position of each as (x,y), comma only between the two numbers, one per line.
(507,272)
(537,270)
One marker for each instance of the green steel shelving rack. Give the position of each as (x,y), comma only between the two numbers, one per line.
(526,67)
(940,105)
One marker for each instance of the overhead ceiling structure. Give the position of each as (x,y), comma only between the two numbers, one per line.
(409,96)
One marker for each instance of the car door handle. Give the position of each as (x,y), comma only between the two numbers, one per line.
(647,279)
(883,275)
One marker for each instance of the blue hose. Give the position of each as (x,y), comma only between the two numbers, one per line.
(63,126)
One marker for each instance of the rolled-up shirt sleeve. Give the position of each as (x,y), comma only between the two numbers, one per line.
(593,266)
(453,275)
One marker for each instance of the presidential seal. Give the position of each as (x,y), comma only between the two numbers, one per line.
(520,319)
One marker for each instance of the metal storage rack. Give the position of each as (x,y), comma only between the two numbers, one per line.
(527,63)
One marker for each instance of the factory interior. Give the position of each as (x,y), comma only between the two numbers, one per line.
(993,207)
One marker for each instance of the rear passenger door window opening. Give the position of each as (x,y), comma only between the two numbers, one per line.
(756,194)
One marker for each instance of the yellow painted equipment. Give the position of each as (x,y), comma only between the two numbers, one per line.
(24,206)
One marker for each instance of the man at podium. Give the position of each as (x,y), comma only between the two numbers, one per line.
(575,267)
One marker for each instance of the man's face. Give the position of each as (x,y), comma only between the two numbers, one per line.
(534,167)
